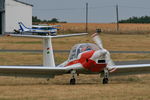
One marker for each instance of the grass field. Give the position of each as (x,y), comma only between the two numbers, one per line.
(107,28)
(117,42)
(89,87)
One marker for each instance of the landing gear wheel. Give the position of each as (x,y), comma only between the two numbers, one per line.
(73,81)
(105,80)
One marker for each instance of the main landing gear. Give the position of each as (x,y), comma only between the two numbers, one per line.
(73,79)
(106,76)
(104,81)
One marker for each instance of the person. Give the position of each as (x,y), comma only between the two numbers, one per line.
(88,48)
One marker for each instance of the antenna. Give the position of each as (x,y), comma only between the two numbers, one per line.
(86,17)
(117,15)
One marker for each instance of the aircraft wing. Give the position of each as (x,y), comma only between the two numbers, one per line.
(36,71)
(42,26)
(39,36)
(131,69)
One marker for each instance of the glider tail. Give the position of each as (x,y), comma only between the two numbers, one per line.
(48,55)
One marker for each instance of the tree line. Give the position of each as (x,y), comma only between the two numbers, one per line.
(142,19)
(134,19)
(53,20)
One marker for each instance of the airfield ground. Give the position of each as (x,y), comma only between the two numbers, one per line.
(89,87)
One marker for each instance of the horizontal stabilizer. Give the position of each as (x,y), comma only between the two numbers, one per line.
(40,36)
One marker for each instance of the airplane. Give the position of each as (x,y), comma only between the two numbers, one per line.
(84,58)
(38,29)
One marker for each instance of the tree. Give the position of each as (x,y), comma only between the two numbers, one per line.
(53,20)
(142,19)
(35,19)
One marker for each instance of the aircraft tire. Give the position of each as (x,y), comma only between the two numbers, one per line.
(105,80)
(72,81)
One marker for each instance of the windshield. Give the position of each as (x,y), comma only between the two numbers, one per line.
(79,48)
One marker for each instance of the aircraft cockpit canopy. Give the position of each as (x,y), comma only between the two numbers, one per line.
(79,48)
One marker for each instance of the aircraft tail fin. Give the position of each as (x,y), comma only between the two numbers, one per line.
(48,55)
(23,28)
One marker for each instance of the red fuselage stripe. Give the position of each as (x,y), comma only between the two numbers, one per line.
(87,63)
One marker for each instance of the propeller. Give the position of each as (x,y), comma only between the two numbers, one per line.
(109,61)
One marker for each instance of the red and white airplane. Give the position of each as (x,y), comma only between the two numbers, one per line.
(86,58)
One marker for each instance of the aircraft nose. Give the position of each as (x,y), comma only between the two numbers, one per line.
(99,54)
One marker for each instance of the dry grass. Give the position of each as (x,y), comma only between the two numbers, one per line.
(108,28)
(20,59)
(88,88)
(130,57)
(111,42)
(20,43)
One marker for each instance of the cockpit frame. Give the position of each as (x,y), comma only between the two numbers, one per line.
(80,48)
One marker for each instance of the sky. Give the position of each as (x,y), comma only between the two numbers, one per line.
(100,11)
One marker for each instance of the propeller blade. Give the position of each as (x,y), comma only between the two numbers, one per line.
(97,40)
(110,63)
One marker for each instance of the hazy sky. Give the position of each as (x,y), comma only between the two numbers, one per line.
(100,11)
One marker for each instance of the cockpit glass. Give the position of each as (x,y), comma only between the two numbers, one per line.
(79,48)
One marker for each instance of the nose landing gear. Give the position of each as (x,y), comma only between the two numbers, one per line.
(105,80)
(106,76)
(73,79)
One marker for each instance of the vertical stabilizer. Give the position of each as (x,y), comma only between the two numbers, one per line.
(23,28)
(48,55)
